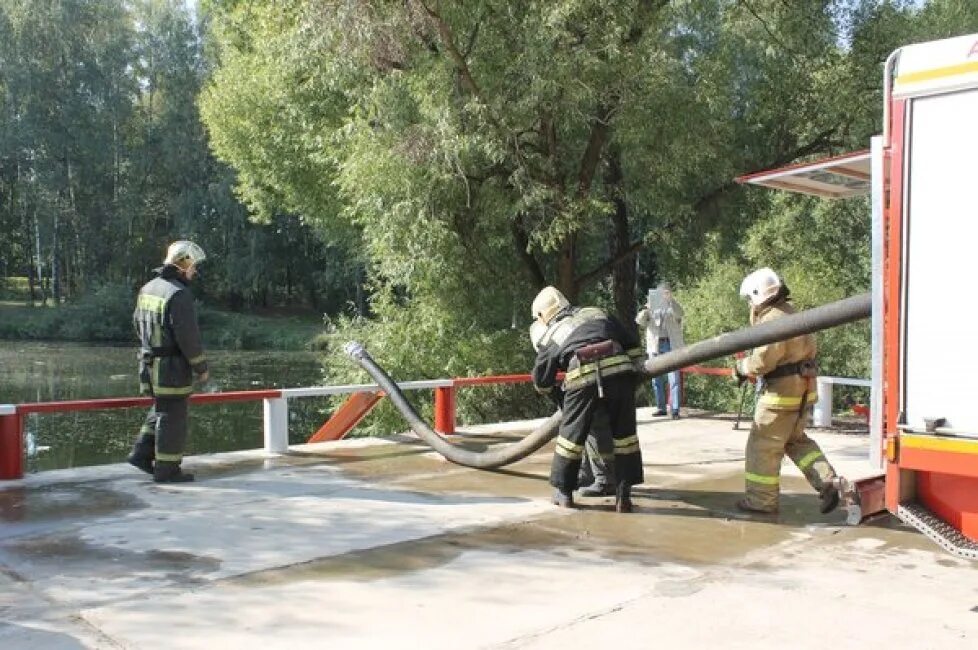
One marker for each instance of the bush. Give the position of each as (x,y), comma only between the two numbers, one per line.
(821,250)
(14,288)
(415,344)
(106,316)
(234,331)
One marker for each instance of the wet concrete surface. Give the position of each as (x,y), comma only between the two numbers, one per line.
(59,502)
(369,544)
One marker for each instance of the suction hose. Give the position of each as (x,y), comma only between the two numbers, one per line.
(478,459)
(833,314)
(813,320)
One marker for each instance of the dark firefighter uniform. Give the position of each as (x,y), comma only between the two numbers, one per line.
(599,356)
(787,371)
(170,355)
(597,475)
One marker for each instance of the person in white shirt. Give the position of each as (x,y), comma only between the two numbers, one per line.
(662,320)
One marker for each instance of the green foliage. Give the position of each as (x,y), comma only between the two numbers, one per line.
(413,348)
(233,331)
(519,144)
(14,288)
(105,315)
(104,161)
(822,251)
(712,307)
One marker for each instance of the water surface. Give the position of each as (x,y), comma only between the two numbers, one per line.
(41,372)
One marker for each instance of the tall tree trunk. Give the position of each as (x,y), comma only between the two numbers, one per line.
(622,273)
(31,277)
(37,257)
(55,283)
(20,206)
(566,268)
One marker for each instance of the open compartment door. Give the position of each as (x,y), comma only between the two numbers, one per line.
(839,177)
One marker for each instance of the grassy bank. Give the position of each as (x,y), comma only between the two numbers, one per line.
(106,317)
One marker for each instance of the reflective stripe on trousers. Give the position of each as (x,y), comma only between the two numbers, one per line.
(581,408)
(774,434)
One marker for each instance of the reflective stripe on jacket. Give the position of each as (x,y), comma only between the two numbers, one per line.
(573,329)
(169,338)
(783,393)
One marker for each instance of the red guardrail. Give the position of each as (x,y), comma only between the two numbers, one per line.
(12,420)
(706,370)
(445,403)
(12,417)
(145,402)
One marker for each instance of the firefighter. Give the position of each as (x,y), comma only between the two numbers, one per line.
(170,355)
(597,475)
(599,357)
(787,372)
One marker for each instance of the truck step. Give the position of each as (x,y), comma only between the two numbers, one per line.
(938,530)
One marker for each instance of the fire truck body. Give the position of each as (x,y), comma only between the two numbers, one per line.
(923,184)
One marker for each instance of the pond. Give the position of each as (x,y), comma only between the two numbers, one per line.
(40,372)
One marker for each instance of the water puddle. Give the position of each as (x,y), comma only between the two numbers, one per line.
(640,539)
(67,556)
(64,501)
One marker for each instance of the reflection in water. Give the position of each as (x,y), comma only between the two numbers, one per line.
(41,372)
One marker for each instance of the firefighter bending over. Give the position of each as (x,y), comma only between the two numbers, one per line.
(170,355)
(599,357)
(597,475)
(787,371)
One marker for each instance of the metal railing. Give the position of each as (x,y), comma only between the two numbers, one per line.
(276,407)
(275,417)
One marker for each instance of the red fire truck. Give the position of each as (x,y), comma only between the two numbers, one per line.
(922,176)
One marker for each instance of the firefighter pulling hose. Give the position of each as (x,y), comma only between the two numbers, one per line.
(833,314)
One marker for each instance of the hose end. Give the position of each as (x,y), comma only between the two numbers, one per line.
(354,350)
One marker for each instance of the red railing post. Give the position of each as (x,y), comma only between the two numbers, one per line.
(11,446)
(445,409)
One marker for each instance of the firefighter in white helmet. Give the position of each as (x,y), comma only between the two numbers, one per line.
(598,355)
(787,370)
(170,355)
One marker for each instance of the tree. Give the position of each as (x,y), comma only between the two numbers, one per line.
(543,143)
(478,151)
(104,160)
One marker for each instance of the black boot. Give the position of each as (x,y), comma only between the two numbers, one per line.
(623,498)
(170,472)
(828,498)
(143,453)
(141,462)
(562,499)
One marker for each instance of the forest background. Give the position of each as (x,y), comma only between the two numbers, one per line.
(411,173)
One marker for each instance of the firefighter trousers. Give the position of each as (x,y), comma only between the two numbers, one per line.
(774,434)
(579,410)
(598,464)
(163,435)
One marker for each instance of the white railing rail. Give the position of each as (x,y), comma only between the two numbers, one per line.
(276,409)
(822,416)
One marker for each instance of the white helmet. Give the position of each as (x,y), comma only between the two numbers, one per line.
(760,286)
(548,303)
(184,254)
(537,330)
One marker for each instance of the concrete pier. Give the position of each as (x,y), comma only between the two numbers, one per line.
(381,543)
